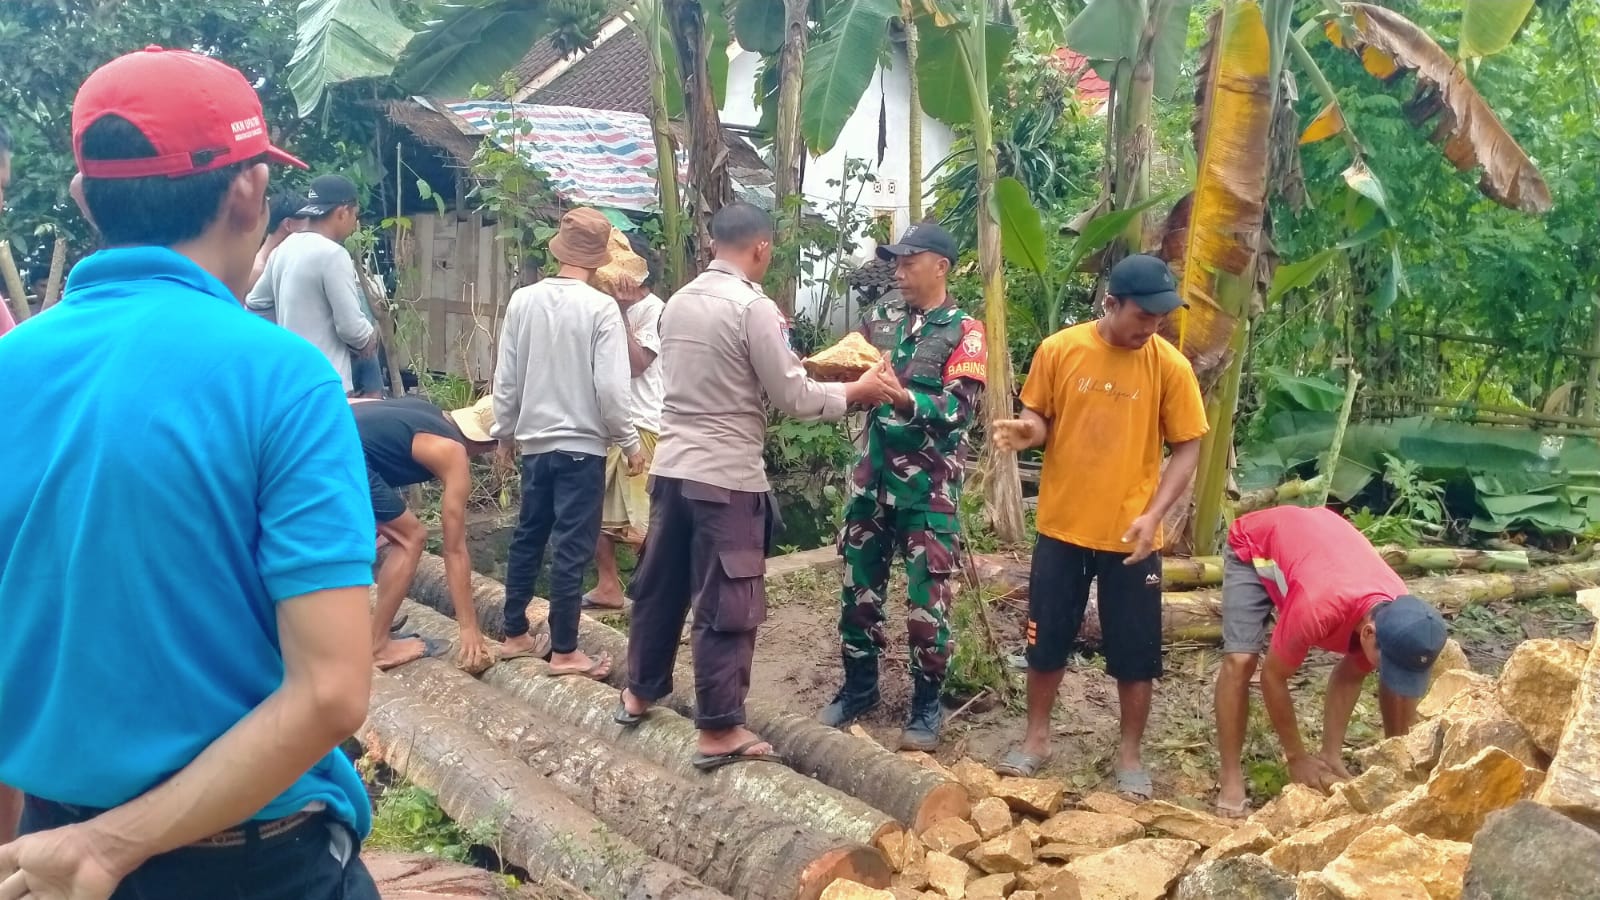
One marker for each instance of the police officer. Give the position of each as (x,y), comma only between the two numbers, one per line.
(907,483)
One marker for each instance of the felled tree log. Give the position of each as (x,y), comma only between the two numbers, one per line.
(734,846)
(538,829)
(668,740)
(912,794)
(1183,573)
(1197,615)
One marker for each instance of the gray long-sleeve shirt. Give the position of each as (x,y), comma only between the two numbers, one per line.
(722,348)
(311,281)
(561,382)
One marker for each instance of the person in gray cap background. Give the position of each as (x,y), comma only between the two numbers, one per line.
(1104,397)
(1317,575)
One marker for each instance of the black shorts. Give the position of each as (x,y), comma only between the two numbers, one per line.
(387,503)
(1129,604)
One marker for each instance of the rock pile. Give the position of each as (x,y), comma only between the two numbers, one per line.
(1494,794)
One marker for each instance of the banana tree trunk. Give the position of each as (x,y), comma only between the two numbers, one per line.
(1211,480)
(789,146)
(1002,481)
(674,227)
(908,15)
(708,154)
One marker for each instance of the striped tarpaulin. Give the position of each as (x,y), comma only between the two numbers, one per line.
(592,157)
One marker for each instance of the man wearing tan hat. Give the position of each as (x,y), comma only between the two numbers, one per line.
(562,394)
(410,441)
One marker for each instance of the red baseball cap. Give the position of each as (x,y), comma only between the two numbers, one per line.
(199,113)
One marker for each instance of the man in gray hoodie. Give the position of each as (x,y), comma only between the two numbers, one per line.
(561,392)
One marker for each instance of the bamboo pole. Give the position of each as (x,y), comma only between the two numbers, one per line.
(1261,498)
(908,15)
(1351,379)
(58,271)
(1530,415)
(15,289)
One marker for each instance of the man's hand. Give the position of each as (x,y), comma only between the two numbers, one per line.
(1335,765)
(472,653)
(629,291)
(60,864)
(1142,535)
(877,385)
(371,349)
(1011,435)
(1312,771)
(636,463)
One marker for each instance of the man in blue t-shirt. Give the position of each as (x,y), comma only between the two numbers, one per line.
(185,534)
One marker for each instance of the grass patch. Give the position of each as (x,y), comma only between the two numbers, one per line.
(975,665)
(408,820)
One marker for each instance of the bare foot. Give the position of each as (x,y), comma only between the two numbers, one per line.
(398,653)
(716,743)
(580,663)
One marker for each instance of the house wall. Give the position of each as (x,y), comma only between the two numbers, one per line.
(890,87)
(457,272)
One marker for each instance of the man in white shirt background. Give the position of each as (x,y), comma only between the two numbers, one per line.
(626,508)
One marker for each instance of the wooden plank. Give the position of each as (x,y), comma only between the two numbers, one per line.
(427,236)
(483,323)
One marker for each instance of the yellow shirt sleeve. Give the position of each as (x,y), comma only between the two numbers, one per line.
(1183,410)
(1039,389)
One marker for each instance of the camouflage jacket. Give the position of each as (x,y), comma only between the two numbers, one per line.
(915,461)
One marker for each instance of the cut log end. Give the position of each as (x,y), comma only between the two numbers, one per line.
(862,865)
(948,800)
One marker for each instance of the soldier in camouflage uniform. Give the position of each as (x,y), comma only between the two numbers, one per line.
(907,483)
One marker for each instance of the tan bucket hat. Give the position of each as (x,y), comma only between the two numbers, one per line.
(476,421)
(582,239)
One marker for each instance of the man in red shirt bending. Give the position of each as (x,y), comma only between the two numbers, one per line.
(1329,589)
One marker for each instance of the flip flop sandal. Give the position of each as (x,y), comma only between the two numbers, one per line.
(707,762)
(539,650)
(627,719)
(1227,811)
(1135,783)
(397,624)
(432,648)
(1019,764)
(595,664)
(589,604)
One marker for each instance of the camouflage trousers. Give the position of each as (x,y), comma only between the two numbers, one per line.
(931,545)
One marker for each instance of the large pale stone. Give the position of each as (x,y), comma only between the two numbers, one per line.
(1088,829)
(1450,659)
(1183,823)
(1108,803)
(1064,853)
(1295,807)
(903,849)
(948,875)
(1236,878)
(951,836)
(1010,852)
(1030,829)
(977,778)
(1063,885)
(845,889)
(1024,895)
(1537,686)
(991,887)
(1142,870)
(1314,847)
(1447,687)
(1413,754)
(915,877)
(1031,796)
(1572,783)
(991,816)
(1372,790)
(1386,862)
(1529,851)
(927,761)
(1455,801)
(1465,737)
(1034,879)
(1246,839)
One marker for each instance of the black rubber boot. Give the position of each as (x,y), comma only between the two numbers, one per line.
(927,717)
(858,695)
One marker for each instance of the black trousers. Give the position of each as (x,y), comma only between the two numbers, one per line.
(317,860)
(561,499)
(706,552)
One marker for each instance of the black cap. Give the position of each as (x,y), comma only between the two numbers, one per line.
(1146,281)
(924,237)
(328,193)
(284,206)
(1410,635)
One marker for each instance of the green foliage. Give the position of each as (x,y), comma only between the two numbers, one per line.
(815,447)
(840,65)
(505,184)
(974,665)
(343,40)
(944,63)
(758,25)
(408,819)
(1107,31)
(1417,506)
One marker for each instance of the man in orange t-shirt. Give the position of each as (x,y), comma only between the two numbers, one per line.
(1103,398)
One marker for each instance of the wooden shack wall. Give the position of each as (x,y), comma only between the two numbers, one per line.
(460,286)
